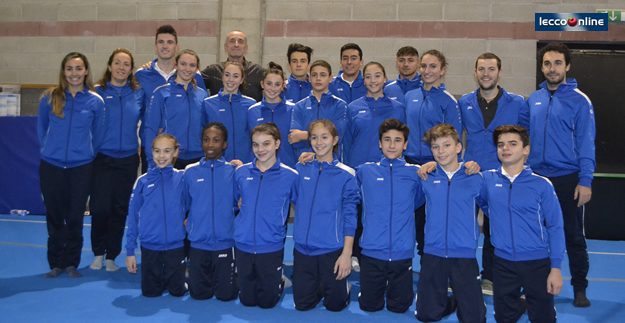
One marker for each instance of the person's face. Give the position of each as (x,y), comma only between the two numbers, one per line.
(236,44)
(299,64)
(186,67)
(120,68)
(445,151)
(431,71)
(164,152)
(374,80)
(510,149)
(320,78)
(322,141)
(213,143)
(554,67)
(393,144)
(351,62)
(407,66)
(166,46)
(272,86)
(487,73)
(232,78)
(264,147)
(75,73)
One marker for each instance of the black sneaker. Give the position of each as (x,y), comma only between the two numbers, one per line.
(580,299)
(53,273)
(72,272)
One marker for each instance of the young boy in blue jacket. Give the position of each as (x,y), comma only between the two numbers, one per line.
(451,235)
(391,191)
(298,86)
(526,229)
(209,197)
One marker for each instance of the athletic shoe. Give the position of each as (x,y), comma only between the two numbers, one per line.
(487,287)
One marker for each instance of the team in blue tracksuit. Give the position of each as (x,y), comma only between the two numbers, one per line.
(210,198)
(310,109)
(156,215)
(231,110)
(296,90)
(260,230)
(424,110)
(451,239)
(511,109)
(179,113)
(397,89)
(325,213)
(348,92)
(115,167)
(364,117)
(562,133)
(391,191)
(68,146)
(281,114)
(150,79)
(527,231)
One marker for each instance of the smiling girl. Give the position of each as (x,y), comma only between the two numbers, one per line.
(230,107)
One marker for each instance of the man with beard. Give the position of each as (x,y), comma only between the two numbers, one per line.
(562,132)
(483,110)
(407,64)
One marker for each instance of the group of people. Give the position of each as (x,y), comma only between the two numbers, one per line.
(221,171)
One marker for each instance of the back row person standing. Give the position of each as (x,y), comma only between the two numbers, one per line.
(298,86)
(159,72)
(407,64)
(236,47)
(348,84)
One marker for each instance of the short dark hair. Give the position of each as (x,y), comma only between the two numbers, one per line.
(322,63)
(295,47)
(394,124)
(407,51)
(489,56)
(166,29)
(351,46)
(439,131)
(219,126)
(556,47)
(521,131)
(268,128)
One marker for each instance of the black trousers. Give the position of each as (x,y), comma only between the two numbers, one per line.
(260,278)
(162,270)
(212,273)
(509,277)
(432,301)
(378,277)
(419,222)
(144,161)
(488,250)
(113,179)
(65,192)
(573,229)
(311,272)
(356,249)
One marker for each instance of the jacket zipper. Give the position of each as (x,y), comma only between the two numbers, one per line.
(164,209)
(189,126)
(313,205)
(390,226)
(234,149)
(420,144)
(213,203)
(121,121)
(260,183)
(545,135)
(511,227)
(69,130)
(447,220)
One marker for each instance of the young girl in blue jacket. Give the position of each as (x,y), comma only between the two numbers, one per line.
(325,223)
(365,115)
(266,187)
(176,108)
(156,216)
(70,130)
(274,109)
(230,107)
(209,197)
(115,167)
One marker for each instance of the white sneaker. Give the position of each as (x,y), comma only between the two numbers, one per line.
(355,264)
(110,265)
(97,263)
(287,282)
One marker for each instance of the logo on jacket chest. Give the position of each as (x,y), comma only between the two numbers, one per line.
(437,182)
(250,178)
(222,110)
(200,180)
(179,95)
(498,185)
(380,178)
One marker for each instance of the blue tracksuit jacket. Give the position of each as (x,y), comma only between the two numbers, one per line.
(451,227)
(260,226)
(209,192)
(562,132)
(347,92)
(280,114)
(511,109)
(156,212)
(391,192)
(424,111)
(123,112)
(525,217)
(75,139)
(364,116)
(296,90)
(397,89)
(231,110)
(325,211)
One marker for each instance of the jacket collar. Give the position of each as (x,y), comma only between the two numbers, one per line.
(155,172)
(395,162)
(275,167)
(226,97)
(208,162)
(527,171)
(357,82)
(334,162)
(265,106)
(292,79)
(570,85)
